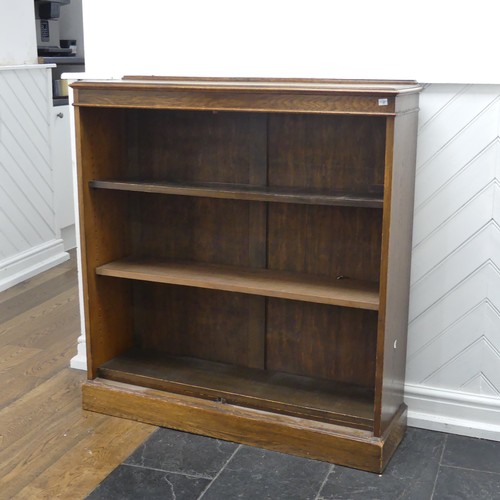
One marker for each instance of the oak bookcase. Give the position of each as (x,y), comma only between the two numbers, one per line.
(246,258)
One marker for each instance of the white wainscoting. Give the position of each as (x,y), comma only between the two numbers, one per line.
(30,241)
(453,364)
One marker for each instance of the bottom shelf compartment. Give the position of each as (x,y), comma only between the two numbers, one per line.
(295,395)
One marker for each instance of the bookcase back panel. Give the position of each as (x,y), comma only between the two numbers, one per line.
(103,143)
(322,341)
(329,241)
(201,229)
(199,146)
(206,324)
(337,153)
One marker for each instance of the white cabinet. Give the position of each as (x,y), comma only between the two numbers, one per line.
(62,174)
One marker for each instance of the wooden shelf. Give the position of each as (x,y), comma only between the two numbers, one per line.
(280,284)
(288,394)
(245,192)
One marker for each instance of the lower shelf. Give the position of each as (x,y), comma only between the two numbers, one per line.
(306,397)
(298,436)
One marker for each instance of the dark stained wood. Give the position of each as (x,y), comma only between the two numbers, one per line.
(198,229)
(283,433)
(337,153)
(284,393)
(246,192)
(200,146)
(156,98)
(284,95)
(108,235)
(325,241)
(184,321)
(396,266)
(316,340)
(294,286)
(217,216)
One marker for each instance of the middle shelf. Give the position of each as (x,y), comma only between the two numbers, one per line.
(246,192)
(270,283)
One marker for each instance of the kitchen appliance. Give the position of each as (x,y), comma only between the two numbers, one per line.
(47,15)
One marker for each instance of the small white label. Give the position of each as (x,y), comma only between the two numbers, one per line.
(383,102)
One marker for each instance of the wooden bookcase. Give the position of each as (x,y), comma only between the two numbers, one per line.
(246,257)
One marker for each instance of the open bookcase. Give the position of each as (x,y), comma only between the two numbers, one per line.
(246,257)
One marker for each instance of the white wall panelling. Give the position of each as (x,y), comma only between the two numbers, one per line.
(29,238)
(453,365)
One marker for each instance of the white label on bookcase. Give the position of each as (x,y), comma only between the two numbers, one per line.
(383,102)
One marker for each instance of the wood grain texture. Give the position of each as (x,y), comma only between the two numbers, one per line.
(316,340)
(282,284)
(306,397)
(321,96)
(110,235)
(336,153)
(185,321)
(191,253)
(396,267)
(89,461)
(283,433)
(245,192)
(44,434)
(325,241)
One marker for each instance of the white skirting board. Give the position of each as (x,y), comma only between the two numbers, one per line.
(27,264)
(454,412)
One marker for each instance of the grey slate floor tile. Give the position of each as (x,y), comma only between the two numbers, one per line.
(427,466)
(137,483)
(472,453)
(257,474)
(457,484)
(184,453)
(410,474)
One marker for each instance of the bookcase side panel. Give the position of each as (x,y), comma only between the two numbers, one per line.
(395,272)
(101,143)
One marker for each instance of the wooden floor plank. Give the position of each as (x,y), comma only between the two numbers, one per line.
(49,446)
(37,295)
(13,387)
(39,279)
(78,471)
(12,356)
(37,326)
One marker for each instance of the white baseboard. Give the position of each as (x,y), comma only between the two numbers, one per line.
(79,362)
(29,263)
(453,411)
(68,235)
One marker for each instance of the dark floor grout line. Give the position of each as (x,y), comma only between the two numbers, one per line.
(195,476)
(472,470)
(218,473)
(439,466)
(330,470)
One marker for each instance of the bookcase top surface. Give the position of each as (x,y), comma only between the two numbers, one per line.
(261,85)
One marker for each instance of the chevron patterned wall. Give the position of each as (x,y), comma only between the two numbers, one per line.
(29,240)
(454,330)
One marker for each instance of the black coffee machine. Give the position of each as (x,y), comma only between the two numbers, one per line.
(47,15)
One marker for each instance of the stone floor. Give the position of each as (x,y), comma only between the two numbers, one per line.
(427,465)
